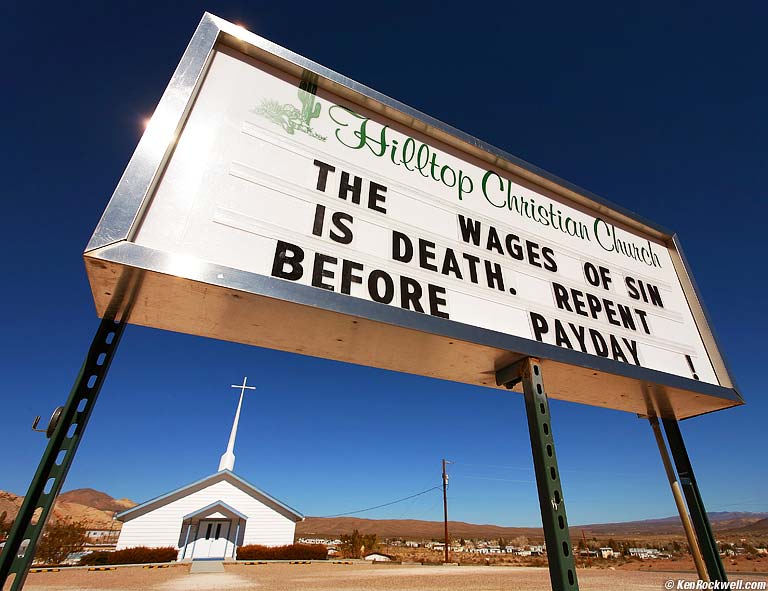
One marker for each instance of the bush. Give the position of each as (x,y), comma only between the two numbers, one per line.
(61,538)
(137,555)
(291,552)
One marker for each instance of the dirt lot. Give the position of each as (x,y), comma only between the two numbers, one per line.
(332,577)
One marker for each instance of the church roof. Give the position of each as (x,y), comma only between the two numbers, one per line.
(226,475)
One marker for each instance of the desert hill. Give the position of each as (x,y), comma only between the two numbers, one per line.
(760,526)
(407,528)
(723,521)
(414,529)
(96,499)
(75,505)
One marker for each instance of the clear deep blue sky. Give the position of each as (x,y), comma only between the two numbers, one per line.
(660,108)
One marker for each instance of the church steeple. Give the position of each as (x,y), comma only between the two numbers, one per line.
(228,459)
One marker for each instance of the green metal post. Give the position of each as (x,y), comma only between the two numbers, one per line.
(562,566)
(19,550)
(701,524)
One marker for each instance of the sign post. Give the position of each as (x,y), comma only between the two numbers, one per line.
(693,542)
(701,524)
(19,549)
(562,565)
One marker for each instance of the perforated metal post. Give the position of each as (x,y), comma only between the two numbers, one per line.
(562,566)
(20,547)
(706,538)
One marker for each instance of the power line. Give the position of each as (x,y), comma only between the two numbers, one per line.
(386,504)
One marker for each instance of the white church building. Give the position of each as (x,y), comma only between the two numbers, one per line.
(211,517)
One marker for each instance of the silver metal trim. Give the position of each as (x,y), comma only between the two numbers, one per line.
(156,145)
(703,322)
(123,212)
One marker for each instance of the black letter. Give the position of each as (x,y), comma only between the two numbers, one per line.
(601,348)
(405,255)
(470,230)
(322,175)
(590,272)
(317,226)
(472,260)
(533,253)
(345,188)
(654,295)
(319,271)
(435,301)
(373,287)
(494,275)
(427,254)
(513,247)
(287,254)
(338,219)
(410,294)
(347,278)
(549,259)
(539,324)
(375,196)
(561,297)
(605,274)
(631,289)
(642,314)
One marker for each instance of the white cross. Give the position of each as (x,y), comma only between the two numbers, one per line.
(243,386)
(228,459)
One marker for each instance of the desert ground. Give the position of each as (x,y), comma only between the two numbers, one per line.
(350,577)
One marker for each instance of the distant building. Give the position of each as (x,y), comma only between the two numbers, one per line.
(101,537)
(379,557)
(645,553)
(608,553)
(323,541)
(211,517)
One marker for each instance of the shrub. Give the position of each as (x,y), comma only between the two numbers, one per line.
(60,538)
(290,552)
(137,555)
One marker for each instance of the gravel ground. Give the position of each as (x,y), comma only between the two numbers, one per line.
(357,577)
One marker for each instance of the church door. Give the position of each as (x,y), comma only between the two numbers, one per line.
(212,539)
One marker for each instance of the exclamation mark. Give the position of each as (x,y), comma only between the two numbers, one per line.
(693,369)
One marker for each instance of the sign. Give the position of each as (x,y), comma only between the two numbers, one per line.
(288,207)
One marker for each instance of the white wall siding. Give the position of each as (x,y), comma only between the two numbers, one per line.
(163,525)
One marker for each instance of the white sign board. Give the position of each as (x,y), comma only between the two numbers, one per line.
(272,176)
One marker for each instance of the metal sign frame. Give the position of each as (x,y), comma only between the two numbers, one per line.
(461,352)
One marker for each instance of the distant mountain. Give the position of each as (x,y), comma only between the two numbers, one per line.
(415,529)
(407,528)
(96,499)
(721,521)
(94,507)
(756,527)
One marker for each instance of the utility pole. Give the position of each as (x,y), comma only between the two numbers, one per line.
(445,507)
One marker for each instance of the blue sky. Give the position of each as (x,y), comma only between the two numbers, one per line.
(659,107)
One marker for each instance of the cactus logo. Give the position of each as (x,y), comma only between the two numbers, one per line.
(291,118)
